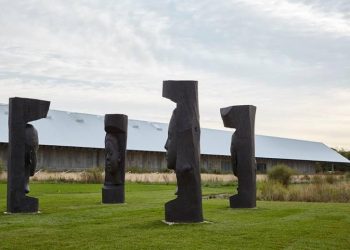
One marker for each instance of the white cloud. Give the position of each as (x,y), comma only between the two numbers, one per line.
(289,58)
(304,16)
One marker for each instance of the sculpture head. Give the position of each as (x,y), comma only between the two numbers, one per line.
(116,127)
(185,119)
(113,154)
(236,116)
(31,148)
(171,143)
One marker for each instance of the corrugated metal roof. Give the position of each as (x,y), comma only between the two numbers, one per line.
(62,128)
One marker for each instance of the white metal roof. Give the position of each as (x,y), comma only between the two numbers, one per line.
(62,128)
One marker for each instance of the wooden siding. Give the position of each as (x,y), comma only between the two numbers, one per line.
(146,161)
(302,167)
(71,158)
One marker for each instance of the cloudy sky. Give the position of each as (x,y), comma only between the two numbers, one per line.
(290,58)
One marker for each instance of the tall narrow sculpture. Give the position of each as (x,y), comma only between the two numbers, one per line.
(116,127)
(23,146)
(183,152)
(242,118)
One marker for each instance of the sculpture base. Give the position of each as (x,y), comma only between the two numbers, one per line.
(26,205)
(237,201)
(9,213)
(181,211)
(185,223)
(113,194)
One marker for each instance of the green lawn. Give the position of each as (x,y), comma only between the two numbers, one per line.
(73,217)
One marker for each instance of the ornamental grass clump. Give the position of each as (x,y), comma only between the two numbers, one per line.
(93,175)
(281,174)
(318,180)
(272,191)
(331,179)
(326,192)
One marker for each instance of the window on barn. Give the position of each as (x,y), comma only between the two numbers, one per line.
(261,168)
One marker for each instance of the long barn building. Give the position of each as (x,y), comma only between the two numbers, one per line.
(75,141)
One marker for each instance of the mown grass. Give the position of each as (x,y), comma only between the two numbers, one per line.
(73,218)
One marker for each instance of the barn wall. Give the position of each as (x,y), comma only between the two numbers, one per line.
(64,158)
(222,164)
(3,154)
(145,161)
(216,164)
(302,167)
(156,161)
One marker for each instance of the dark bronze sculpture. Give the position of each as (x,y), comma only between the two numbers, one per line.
(31,149)
(242,118)
(23,145)
(116,127)
(183,152)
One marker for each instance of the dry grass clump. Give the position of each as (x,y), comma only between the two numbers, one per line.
(272,191)
(213,180)
(318,178)
(3,176)
(93,175)
(327,188)
(96,175)
(326,192)
(166,178)
(56,177)
(170,178)
(319,191)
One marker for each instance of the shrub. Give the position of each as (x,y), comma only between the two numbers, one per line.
(280,173)
(93,175)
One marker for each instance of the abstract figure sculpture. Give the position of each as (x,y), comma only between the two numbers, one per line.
(242,118)
(23,146)
(31,149)
(116,127)
(183,152)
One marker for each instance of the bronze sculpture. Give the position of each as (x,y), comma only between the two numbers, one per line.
(116,127)
(31,149)
(23,144)
(183,152)
(242,118)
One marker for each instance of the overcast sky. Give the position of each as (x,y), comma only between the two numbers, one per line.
(289,58)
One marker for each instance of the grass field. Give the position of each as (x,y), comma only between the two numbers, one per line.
(72,217)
